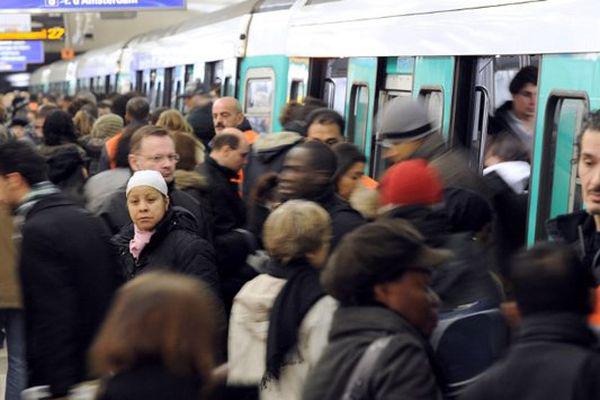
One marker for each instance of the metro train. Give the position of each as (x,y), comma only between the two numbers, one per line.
(458,55)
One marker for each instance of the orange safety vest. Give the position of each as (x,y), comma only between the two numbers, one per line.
(111,149)
(594,318)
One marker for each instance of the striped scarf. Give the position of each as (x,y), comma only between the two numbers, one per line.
(37,193)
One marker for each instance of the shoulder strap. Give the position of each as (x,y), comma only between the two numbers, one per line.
(356,387)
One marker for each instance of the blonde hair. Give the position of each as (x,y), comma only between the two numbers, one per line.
(295,229)
(159,314)
(173,120)
(84,123)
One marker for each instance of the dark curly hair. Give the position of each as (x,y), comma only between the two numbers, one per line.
(59,129)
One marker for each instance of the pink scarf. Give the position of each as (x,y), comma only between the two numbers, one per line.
(139,241)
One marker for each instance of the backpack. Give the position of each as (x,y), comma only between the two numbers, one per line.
(466,342)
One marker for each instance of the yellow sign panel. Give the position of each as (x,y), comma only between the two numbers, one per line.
(56,33)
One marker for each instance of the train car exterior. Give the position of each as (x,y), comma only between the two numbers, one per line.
(458,57)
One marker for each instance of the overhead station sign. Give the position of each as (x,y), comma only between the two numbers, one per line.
(29,52)
(89,5)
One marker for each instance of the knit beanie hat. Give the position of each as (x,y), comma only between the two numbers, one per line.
(409,183)
(107,126)
(147,178)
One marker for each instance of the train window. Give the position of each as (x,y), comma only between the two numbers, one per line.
(359,106)
(560,191)
(297,90)
(433,98)
(226,90)
(272,5)
(168,92)
(258,103)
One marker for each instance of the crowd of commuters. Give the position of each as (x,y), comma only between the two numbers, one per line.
(152,254)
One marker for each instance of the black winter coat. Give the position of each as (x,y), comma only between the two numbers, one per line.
(556,357)
(175,245)
(115,214)
(229,215)
(465,278)
(578,230)
(344,218)
(68,278)
(405,369)
(151,381)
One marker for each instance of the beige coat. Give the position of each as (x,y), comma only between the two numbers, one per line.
(10,291)
(248,328)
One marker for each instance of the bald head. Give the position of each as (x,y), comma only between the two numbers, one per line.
(227,113)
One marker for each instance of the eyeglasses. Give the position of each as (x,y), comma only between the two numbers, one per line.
(160,158)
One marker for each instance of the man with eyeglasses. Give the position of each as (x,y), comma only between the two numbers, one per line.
(153,148)
(517,117)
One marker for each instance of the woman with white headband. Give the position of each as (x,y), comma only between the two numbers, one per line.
(161,236)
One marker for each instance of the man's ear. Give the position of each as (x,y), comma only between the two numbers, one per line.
(133,162)
(240,119)
(380,292)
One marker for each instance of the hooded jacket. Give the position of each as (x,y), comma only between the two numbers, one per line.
(405,369)
(579,230)
(555,357)
(267,155)
(174,245)
(195,185)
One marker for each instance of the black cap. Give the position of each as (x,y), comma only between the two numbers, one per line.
(194,88)
(18,122)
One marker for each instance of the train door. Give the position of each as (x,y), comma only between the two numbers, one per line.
(297,79)
(397,81)
(263,91)
(492,78)
(565,88)
(360,102)
(139,81)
